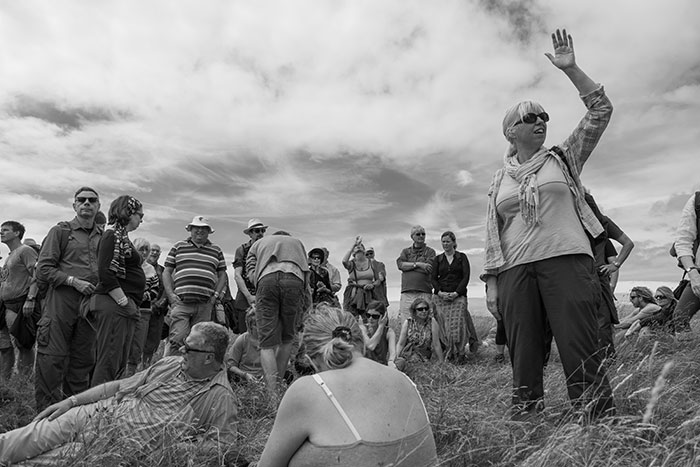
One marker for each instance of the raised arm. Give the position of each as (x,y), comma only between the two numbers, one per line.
(565,59)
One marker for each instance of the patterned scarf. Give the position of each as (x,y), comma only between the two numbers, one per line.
(526,175)
(122,245)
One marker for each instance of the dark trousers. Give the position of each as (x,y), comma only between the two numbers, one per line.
(607,316)
(140,333)
(687,306)
(564,292)
(153,335)
(65,348)
(115,331)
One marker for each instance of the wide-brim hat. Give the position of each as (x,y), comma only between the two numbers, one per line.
(318,251)
(199,221)
(254,224)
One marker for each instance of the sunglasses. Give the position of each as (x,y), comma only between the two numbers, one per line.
(369,253)
(422,234)
(258,231)
(189,349)
(532,118)
(633,296)
(422,308)
(660,297)
(82,199)
(373,315)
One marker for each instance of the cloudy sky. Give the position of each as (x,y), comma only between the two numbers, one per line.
(331,119)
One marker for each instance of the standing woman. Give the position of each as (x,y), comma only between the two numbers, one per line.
(363,277)
(539,265)
(120,290)
(450,277)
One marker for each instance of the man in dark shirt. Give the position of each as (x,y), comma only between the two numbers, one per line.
(65,339)
(245,296)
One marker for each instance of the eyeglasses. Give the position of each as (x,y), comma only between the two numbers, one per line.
(420,233)
(315,258)
(532,118)
(422,308)
(373,315)
(633,297)
(258,231)
(189,349)
(82,199)
(369,253)
(660,297)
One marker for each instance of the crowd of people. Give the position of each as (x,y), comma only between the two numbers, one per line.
(98,304)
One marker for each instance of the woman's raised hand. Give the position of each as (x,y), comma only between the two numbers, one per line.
(563,50)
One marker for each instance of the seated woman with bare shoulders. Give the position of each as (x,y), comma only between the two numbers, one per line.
(343,415)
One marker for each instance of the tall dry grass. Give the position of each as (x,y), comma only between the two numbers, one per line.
(657,393)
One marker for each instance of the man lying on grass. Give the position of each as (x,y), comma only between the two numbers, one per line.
(178,402)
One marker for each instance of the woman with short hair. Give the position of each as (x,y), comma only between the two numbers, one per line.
(119,293)
(539,266)
(343,415)
(380,339)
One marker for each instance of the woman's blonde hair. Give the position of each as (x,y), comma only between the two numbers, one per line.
(332,335)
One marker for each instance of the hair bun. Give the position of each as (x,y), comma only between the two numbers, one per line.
(343,332)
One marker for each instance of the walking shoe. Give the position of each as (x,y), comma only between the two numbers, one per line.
(499,358)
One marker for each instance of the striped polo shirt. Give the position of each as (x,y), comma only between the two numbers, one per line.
(195,269)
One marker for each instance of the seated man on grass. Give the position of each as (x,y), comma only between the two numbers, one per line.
(179,402)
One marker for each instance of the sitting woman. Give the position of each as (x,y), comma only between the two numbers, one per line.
(243,357)
(449,278)
(419,336)
(380,339)
(343,415)
(662,320)
(363,277)
(645,306)
(320,280)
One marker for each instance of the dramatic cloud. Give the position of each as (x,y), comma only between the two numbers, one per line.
(333,119)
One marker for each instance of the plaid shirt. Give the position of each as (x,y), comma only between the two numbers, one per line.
(577,148)
(163,400)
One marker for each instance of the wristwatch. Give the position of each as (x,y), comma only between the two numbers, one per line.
(690,268)
(617,264)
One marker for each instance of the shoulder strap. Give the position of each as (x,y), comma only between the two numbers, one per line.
(696,243)
(335,402)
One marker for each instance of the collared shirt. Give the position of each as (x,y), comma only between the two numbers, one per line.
(16,274)
(164,400)
(195,269)
(78,259)
(416,280)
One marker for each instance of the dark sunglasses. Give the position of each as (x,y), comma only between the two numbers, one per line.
(532,118)
(189,349)
(660,297)
(373,315)
(422,308)
(369,253)
(420,233)
(82,199)
(257,231)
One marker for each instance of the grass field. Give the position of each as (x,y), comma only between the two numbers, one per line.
(656,386)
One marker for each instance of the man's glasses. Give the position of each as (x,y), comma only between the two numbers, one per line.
(532,118)
(422,234)
(422,308)
(258,231)
(660,297)
(373,315)
(369,253)
(82,199)
(633,297)
(189,349)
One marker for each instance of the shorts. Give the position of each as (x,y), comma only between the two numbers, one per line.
(279,301)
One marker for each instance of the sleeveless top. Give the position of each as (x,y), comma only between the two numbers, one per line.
(380,353)
(415,450)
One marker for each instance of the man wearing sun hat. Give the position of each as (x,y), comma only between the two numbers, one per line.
(194,278)
(246,290)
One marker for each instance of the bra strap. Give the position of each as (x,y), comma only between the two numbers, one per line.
(335,402)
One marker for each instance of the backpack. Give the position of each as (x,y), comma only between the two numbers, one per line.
(696,242)
(42,284)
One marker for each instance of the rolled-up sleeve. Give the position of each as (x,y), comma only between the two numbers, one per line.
(687,230)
